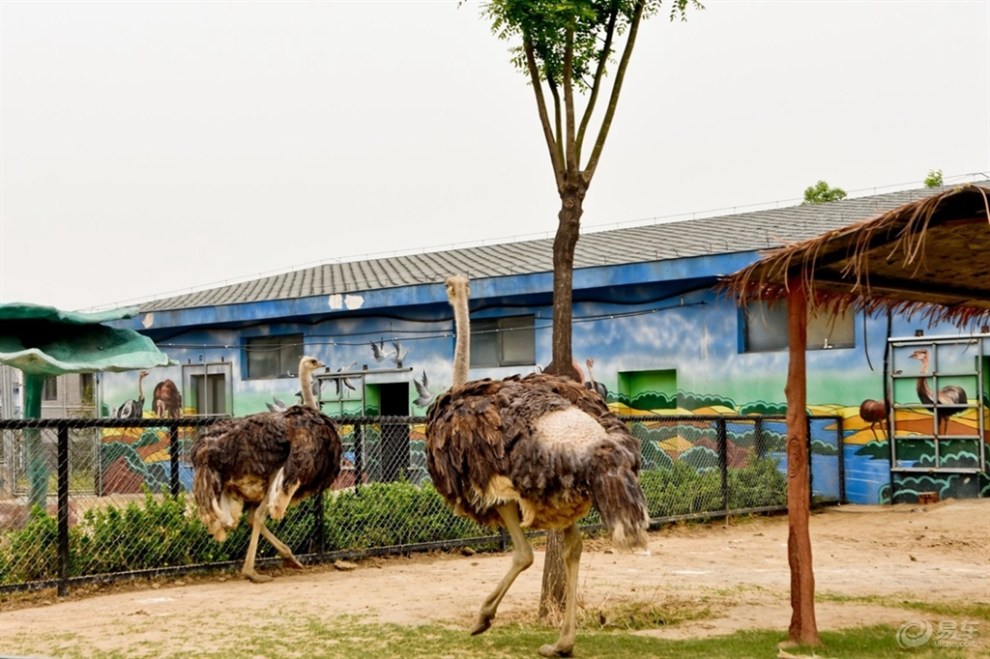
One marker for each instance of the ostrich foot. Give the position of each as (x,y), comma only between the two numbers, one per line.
(555,650)
(484,622)
(255,577)
(292,562)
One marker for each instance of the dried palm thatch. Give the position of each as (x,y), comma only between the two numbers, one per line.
(929,258)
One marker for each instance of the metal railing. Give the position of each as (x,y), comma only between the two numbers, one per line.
(116,493)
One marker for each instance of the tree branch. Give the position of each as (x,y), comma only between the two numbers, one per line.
(599,73)
(616,88)
(541,107)
(570,141)
(558,128)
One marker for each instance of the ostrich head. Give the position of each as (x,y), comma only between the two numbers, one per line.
(306,367)
(922,356)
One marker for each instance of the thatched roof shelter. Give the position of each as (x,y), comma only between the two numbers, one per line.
(929,257)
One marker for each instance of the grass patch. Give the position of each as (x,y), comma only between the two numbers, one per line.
(345,637)
(947,610)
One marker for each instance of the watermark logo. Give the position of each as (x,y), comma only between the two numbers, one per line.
(941,634)
(914,633)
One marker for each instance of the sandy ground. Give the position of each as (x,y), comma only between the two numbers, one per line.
(939,552)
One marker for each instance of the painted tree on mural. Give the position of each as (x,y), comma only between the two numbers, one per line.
(567,48)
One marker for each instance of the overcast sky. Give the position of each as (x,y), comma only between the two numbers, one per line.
(151,147)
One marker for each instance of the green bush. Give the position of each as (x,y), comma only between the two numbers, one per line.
(161,532)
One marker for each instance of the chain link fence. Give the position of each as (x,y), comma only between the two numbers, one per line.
(85,500)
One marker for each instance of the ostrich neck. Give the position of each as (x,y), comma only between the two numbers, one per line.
(306,388)
(141,387)
(924,391)
(462,344)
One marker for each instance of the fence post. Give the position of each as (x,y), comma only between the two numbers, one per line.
(723,461)
(173,458)
(63,511)
(759,441)
(320,523)
(840,443)
(358,455)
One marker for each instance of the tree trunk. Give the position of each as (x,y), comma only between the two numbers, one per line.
(803,627)
(554,586)
(564,243)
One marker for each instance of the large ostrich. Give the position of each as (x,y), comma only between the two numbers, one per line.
(134,409)
(951,398)
(266,461)
(535,452)
(166,400)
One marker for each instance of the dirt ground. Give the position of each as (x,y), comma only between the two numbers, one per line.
(938,552)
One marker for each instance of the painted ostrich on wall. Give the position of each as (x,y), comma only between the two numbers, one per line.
(134,409)
(265,461)
(951,398)
(874,411)
(166,400)
(532,452)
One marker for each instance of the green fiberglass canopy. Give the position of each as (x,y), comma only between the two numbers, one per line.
(42,340)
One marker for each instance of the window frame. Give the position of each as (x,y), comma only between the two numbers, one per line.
(286,349)
(501,329)
(824,331)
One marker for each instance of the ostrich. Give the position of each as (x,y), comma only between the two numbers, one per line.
(951,398)
(592,383)
(166,400)
(875,412)
(134,409)
(534,451)
(266,461)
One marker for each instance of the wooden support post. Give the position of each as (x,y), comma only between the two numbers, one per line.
(803,628)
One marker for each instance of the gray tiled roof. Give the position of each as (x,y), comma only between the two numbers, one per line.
(743,232)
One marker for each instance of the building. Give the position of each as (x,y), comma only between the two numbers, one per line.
(650,329)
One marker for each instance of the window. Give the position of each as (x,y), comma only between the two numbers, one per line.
(209,393)
(766,329)
(503,342)
(208,388)
(274,356)
(51,388)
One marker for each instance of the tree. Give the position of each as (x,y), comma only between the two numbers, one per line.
(934,178)
(566,48)
(822,193)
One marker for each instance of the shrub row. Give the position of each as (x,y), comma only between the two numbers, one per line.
(163,531)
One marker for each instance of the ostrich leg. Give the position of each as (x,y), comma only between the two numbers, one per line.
(257,523)
(568,630)
(288,558)
(522,558)
(258,527)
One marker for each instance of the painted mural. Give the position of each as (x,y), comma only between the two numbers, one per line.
(132,459)
(671,356)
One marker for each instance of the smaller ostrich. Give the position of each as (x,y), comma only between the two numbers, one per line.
(532,452)
(264,461)
(874,411)
(134,409)
(166,400)
(593,384)
(951,398)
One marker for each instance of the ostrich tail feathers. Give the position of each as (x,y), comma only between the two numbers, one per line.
(622,506)
(206,491)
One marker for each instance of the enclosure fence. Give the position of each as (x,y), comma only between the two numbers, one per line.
(97,500)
